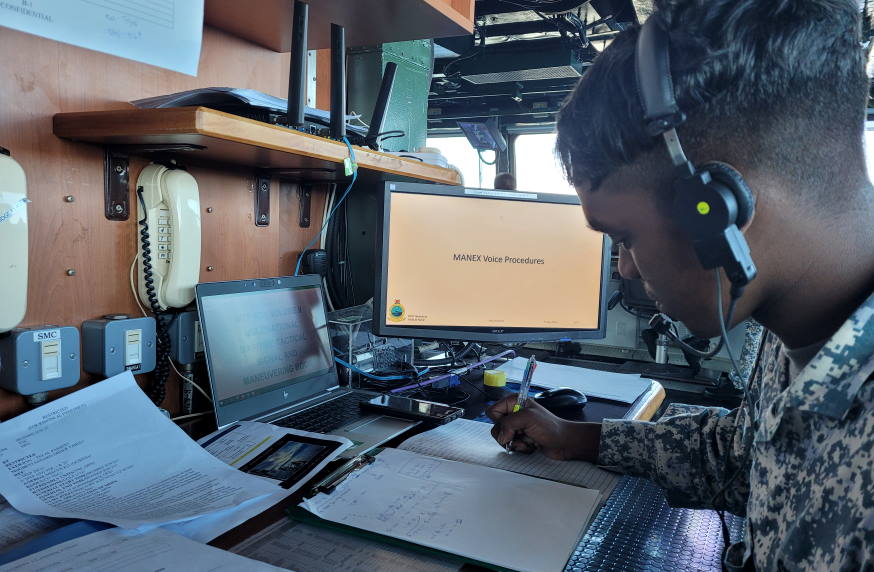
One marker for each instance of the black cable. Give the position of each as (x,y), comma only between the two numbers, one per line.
(157,390)
(477,51)
(550,5)
(664,325)
(350,277)
(393,134)
(580,27)
(736,293)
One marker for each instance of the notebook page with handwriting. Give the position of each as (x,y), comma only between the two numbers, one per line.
(497,517)
(471,442)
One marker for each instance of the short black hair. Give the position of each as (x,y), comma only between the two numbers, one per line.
(781,82)
(505,181)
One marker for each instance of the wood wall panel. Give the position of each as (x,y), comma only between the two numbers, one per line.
(41,77)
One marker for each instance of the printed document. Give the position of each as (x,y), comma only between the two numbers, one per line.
(165,33)
(497,517)
(17,527)
(471,442)
(106,453)
(273,453)
(114,549)
(313,548)
(623,387)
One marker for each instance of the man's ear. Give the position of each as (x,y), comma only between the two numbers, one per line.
(731,178)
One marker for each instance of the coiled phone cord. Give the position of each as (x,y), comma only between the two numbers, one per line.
(157,390)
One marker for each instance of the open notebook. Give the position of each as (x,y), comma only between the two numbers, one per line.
(486,515)
(471,442)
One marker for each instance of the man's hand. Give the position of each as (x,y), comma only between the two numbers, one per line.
(536,428)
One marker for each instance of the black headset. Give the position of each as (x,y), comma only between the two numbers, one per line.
(710,202)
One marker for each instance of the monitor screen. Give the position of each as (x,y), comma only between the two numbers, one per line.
(484,265)
(266,342)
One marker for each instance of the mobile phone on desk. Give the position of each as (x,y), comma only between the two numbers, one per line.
(416,409)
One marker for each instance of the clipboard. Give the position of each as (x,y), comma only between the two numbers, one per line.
(328,484)
(383,501)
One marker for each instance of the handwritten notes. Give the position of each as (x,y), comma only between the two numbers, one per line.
(468,510)
(471,442)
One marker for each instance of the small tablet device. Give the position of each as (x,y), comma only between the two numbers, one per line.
(417,409)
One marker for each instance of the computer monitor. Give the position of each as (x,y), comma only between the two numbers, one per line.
(486,265)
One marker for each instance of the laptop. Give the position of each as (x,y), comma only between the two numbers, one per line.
(269,359)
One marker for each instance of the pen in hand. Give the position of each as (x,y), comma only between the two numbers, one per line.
(523,393)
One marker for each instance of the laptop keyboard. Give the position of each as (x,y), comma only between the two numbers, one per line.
(326,417)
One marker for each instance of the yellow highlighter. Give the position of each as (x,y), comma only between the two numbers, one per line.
(526,383)
(523,394)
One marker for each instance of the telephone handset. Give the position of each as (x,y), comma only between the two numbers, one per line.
(170,253)
(13,237)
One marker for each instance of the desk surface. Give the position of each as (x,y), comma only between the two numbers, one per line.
(597,409)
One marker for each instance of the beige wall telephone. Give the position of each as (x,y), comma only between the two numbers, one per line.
(172,213)
(13,239)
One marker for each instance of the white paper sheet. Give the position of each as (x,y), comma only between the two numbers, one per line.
(623,387)
(115,549)
(471,442)
(164,33)
(17,527)
(237,445)
(316,549)
(106,453)
(468,510)
(245,440)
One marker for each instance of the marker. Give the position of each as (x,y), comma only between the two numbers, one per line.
(523,392)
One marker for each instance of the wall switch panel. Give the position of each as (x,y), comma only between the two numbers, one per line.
(116,343)
(36,360)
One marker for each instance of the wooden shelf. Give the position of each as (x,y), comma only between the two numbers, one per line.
(367,22)
(217,136)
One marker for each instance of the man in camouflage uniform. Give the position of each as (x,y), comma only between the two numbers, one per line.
(777,89)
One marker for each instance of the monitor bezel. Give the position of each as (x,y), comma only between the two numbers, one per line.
(476,334)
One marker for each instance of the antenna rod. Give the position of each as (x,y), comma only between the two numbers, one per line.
(378,119)
(297,77)
(338,81)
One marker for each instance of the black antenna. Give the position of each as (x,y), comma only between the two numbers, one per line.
(297,77)
(338,81)
(378,118)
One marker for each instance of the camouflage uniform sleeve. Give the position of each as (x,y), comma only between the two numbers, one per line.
(692,452)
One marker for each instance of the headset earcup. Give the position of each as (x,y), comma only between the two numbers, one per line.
(731,178)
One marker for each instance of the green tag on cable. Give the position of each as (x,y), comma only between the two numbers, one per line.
(348,166)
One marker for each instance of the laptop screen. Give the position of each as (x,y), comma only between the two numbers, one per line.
(267,344)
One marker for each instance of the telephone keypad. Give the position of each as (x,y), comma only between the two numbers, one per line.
(165,236)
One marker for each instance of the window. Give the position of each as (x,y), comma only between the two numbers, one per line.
(869,149)
(459,153)
(537,167)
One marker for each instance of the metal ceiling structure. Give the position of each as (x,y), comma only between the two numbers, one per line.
(523,59)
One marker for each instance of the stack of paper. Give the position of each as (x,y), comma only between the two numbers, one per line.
(106,453)
(115,549)
(17,527)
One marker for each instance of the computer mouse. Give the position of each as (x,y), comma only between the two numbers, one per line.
(561,400)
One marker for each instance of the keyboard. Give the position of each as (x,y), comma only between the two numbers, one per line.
(327,416)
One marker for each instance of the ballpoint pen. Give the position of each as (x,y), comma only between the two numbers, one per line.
(329,483)
(523,392)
